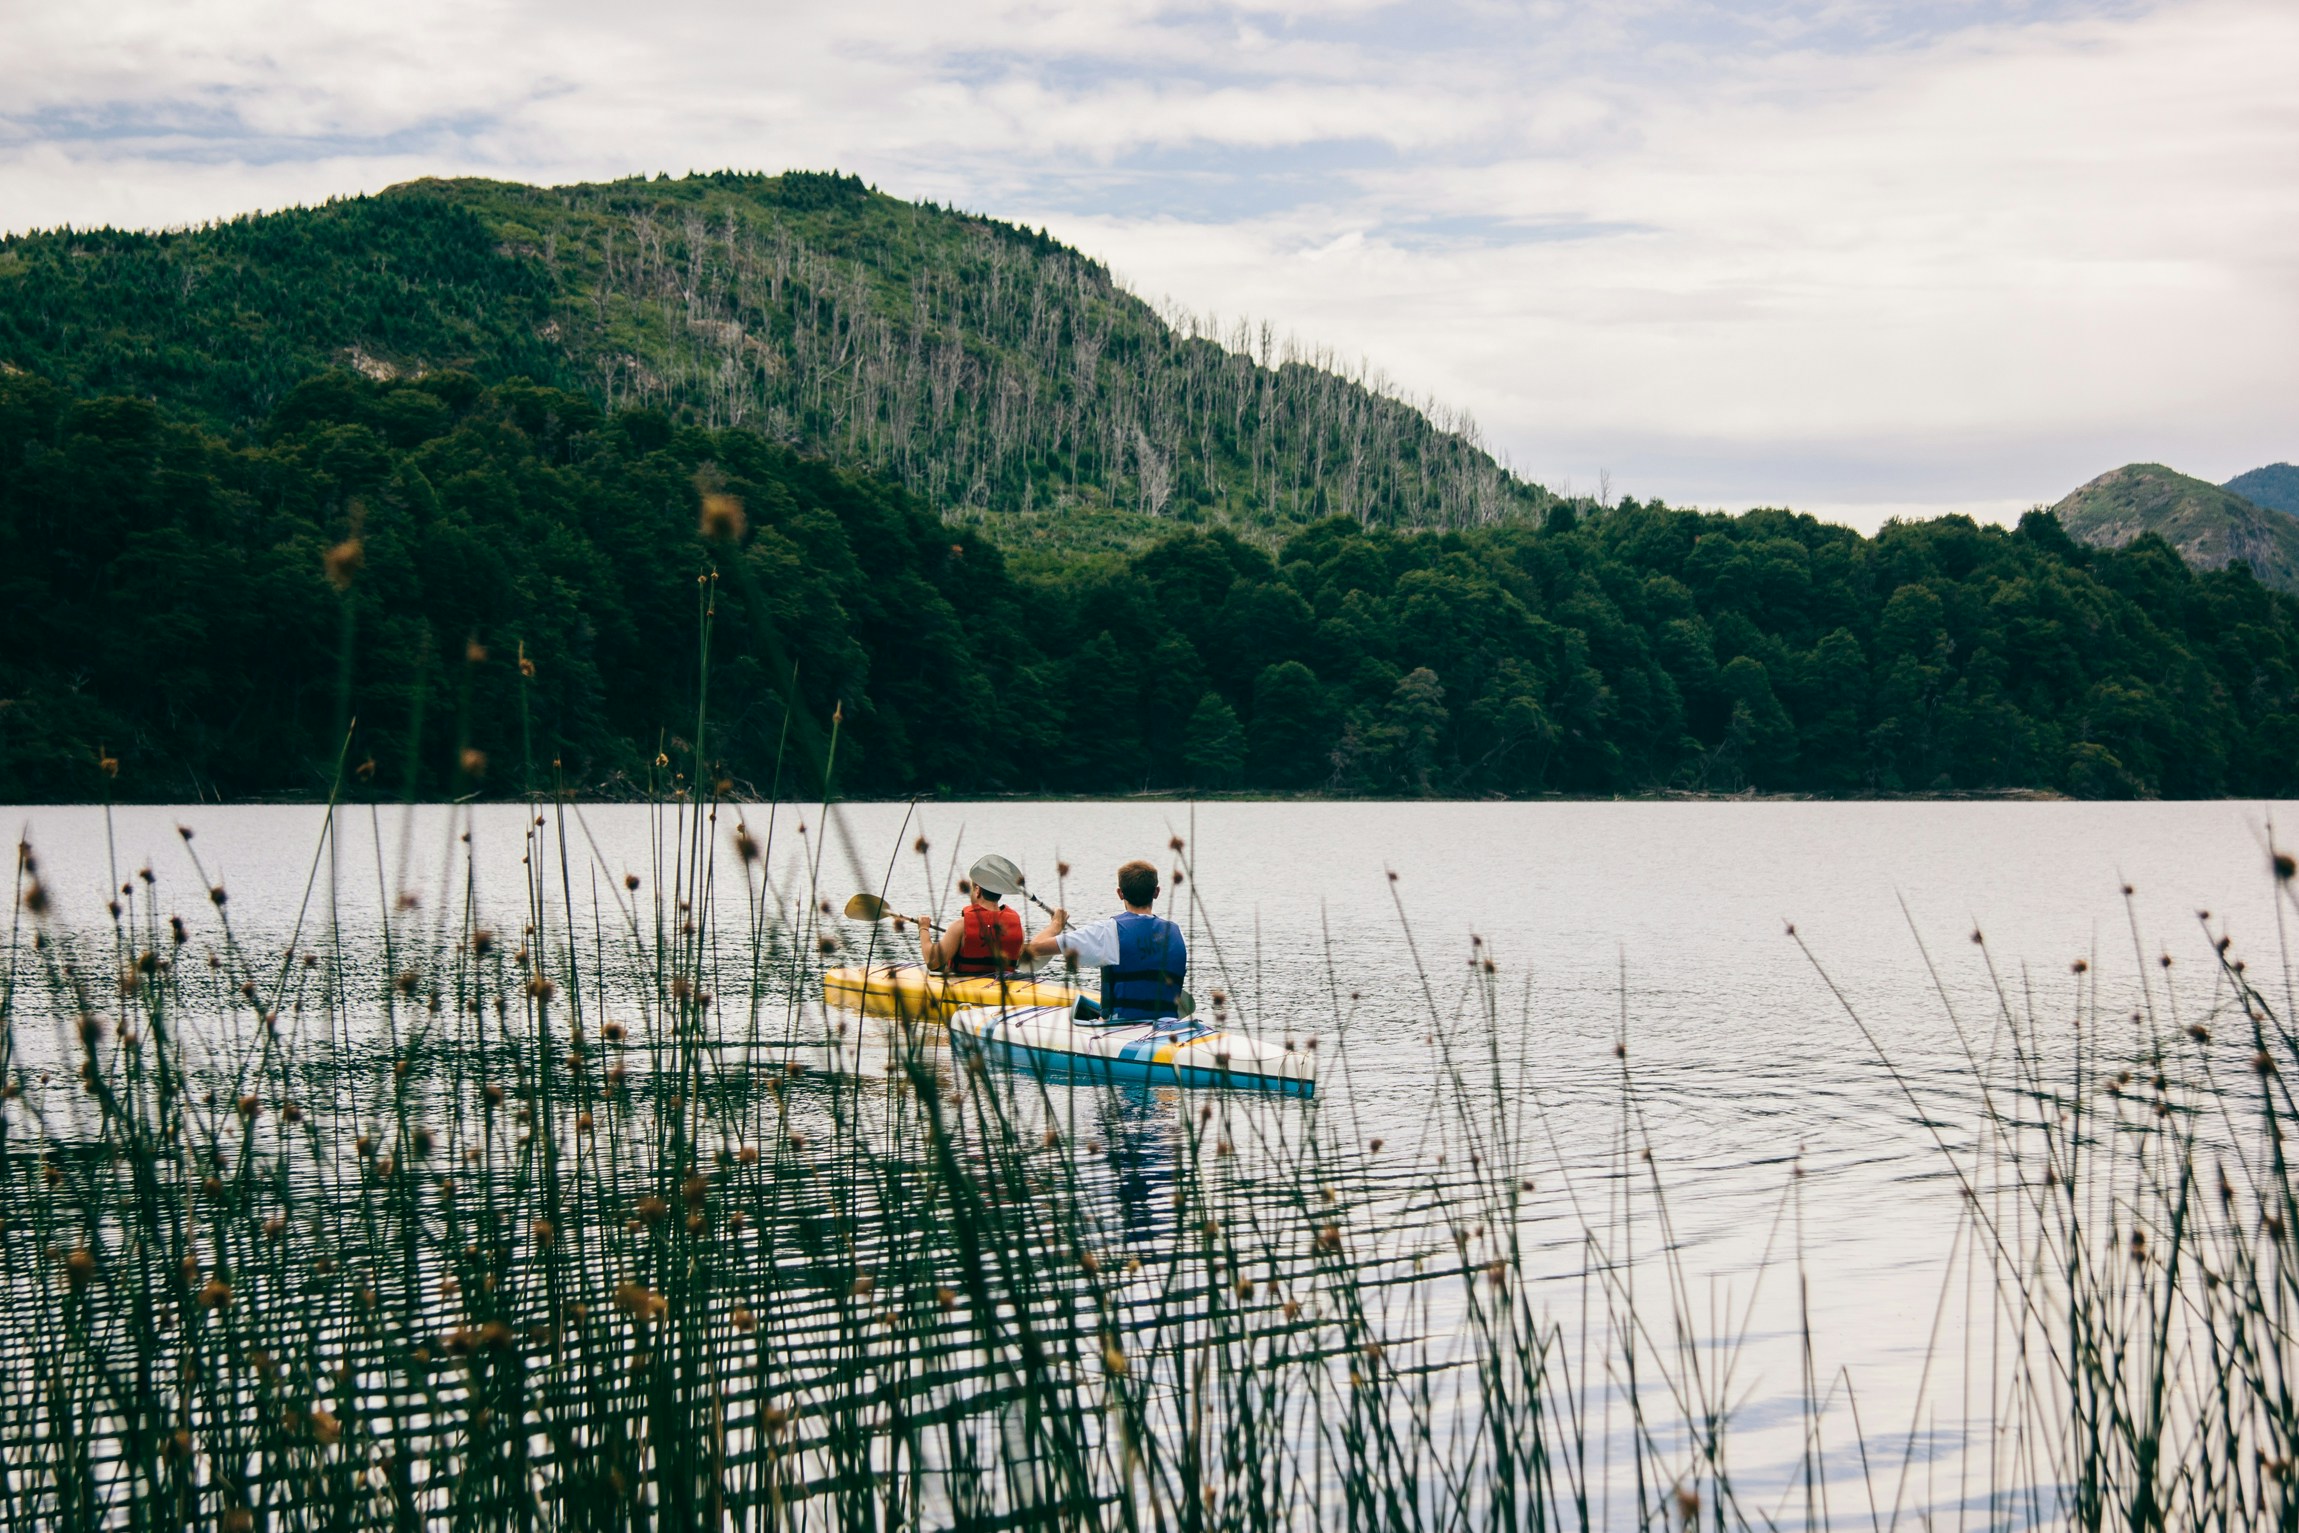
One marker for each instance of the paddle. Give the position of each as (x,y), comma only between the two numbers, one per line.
(868,907)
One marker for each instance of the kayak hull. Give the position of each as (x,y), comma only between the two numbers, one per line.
(1047,1041)
(915,993)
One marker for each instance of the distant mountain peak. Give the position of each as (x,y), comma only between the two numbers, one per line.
(2276,487)
(2211,525)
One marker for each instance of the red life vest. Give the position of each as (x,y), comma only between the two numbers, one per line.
(992,942)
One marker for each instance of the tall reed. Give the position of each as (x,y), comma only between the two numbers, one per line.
(595,1219)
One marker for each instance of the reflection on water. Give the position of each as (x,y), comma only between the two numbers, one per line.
(1649,998)
(1134,1126)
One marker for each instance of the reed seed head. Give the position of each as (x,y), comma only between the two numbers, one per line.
(342,563)
(722,518)
(640,1302)
(474,762)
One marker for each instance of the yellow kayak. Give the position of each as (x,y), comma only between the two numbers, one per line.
(913,991)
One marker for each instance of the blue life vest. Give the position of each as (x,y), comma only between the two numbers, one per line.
(1153,964)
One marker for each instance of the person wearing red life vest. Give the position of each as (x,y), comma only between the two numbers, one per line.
(986,939)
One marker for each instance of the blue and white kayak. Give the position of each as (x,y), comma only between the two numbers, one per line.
(1050,1041)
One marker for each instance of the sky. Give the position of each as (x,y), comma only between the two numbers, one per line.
(1860,257)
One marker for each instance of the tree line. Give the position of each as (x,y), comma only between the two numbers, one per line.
(451,588)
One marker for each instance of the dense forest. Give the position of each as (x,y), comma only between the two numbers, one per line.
(984,367)
(499,588)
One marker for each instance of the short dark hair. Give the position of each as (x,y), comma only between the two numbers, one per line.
(1137,883)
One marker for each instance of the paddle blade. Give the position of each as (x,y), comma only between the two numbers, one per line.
(1184,1004)
(867,907)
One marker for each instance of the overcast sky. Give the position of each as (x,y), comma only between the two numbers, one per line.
(1856,256)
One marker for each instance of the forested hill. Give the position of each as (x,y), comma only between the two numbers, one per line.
(496,590)
(978,364)
(2211,525)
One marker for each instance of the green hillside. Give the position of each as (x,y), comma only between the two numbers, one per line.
(2211,527)
(498,589)
(2276,487)
(985,368)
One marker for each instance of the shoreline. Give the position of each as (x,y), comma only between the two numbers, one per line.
(1668,796)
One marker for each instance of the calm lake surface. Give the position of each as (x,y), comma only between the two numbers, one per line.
(1663,923)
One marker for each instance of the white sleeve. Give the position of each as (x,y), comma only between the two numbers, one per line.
(1095,943)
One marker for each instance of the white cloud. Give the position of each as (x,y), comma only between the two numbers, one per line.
(1852,255)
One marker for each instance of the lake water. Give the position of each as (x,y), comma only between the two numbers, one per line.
(1659,924)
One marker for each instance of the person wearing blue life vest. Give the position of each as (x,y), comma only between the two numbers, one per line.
(1143,958)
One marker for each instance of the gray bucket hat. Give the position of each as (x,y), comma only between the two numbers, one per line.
(995,875)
